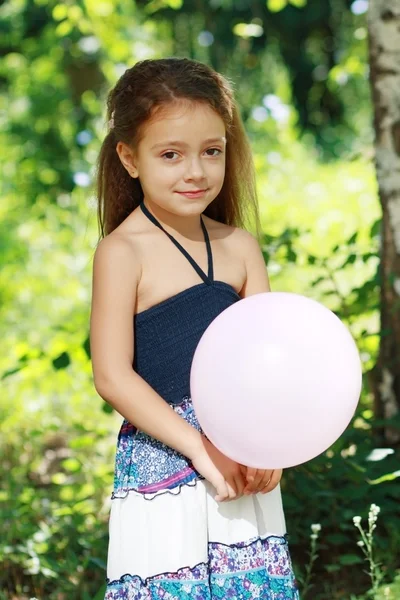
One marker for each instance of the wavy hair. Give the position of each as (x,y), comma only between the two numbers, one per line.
(142,90)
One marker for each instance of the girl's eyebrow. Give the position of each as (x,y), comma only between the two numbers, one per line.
(185,145)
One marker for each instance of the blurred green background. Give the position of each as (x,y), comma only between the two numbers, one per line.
(300,71)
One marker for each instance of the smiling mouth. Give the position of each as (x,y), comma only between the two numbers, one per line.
(192,191)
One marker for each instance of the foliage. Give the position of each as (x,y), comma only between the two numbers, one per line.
(53,510)
(322,45)
(390,591)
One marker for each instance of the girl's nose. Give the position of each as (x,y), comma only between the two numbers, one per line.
(194,170)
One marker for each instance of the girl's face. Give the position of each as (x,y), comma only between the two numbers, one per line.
(180,158)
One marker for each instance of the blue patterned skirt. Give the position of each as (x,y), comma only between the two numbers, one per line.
(170,540)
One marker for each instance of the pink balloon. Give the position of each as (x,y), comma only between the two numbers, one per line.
(275,380)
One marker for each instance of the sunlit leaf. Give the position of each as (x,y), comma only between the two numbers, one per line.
(60,12)
(175,4)
(71,464)
(276,5)
(248,30)
(387,477)
(59,478)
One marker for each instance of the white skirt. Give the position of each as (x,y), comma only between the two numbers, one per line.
(186,545)
(170,539)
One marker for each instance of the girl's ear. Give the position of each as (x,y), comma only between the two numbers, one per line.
(128,159)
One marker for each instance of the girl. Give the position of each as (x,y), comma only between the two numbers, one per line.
(175,175)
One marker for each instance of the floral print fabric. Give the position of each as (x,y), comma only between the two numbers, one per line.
(147,466)
(259,569)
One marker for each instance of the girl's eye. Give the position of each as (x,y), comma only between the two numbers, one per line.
(169,155)
(217,150)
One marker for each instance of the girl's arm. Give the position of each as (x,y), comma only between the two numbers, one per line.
(257,280)
(116,274)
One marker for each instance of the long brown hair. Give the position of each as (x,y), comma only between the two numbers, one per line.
(146,87)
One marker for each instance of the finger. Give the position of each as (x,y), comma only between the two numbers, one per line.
(222,491)
(250,476)
(261,473)
(243,471)
(275,479)
(232,493)
(251,473)
(253,486)
(240,485)
(265,480)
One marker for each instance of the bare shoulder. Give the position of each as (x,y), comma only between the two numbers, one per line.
(241,239)
(118,251)
(247,242)
(248,247)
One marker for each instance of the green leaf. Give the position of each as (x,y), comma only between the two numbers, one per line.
(71,464)
(98,562)
(350,559)
(10,372)
(100,593)
(291,255)
(86,347)
(350,260)
(317,281)
(107,408)
(353,238)
(175,4)
(337,538)
(332,568)
(276,5)
(62,361)
(376,228)
(387,477)
(248,30)
(59,478)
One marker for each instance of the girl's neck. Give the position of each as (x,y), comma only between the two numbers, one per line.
(188,227)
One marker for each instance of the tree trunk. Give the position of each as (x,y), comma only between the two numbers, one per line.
(384,48)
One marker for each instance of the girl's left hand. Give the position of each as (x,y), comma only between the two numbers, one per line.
(260,480)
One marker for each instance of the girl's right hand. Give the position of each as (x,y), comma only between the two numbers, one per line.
(222,472)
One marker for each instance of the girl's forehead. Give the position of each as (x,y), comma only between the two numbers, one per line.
(185,118)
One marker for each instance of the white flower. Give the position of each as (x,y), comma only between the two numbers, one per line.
(375,510)
(360,543)
(314,536)
(373,514)
(356,521)
(315,527)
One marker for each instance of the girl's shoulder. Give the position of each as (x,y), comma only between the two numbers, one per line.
(134,238)
(240,239)
(127,238)
(120,251)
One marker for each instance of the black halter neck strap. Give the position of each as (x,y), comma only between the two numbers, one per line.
(206,278)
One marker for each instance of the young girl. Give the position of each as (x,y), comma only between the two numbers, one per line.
(175,178)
